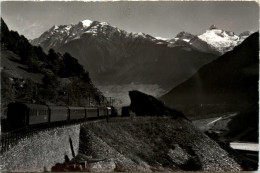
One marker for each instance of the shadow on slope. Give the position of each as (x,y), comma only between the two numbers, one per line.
(229,83)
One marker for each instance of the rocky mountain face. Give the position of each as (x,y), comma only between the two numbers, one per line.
(230,79)
(143,104)
(59,35)
(114,56)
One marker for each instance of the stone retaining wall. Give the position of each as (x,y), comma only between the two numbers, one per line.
(41,151)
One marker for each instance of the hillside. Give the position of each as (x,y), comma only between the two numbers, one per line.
(153,138)
(30,75)
(232,79)
(229,83)
(149,144)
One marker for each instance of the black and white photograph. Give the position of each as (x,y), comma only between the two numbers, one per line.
(129,86)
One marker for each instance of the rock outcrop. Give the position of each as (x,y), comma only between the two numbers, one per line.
(143,104)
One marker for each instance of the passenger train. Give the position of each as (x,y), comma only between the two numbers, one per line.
(25,115)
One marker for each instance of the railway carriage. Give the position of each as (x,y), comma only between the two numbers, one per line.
(91,112)
(38,114)
(21,115)
(77,113)
(102,111)
(58,114)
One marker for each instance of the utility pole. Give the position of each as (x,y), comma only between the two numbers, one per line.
(68,99)
(88,99)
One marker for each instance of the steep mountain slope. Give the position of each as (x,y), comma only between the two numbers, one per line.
(30,75)
(230,79)
(11,66)
(229,83)
(114,56)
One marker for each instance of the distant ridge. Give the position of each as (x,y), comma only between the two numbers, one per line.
(114,56)
(230,79)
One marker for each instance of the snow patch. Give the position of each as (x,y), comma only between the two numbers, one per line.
(161,38)
(86,23)
(219,39)
(138,34)
(91,32)
(56,27)
(187,40)
(104,23)
(68,27)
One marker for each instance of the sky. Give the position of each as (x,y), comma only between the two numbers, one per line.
(159,19)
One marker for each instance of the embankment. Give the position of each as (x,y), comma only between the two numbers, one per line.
(152,144)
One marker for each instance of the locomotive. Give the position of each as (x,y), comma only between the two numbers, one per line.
(27,115)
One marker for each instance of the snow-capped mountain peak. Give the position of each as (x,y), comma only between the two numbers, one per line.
(162,38)
(219,39)
(182,36)
(86,23)
(214,40)
(57,36)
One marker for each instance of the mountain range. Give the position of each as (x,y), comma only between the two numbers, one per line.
(214,40)
(230,79)
(115,56)
(229,83)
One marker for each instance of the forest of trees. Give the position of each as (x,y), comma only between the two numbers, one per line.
(54,67)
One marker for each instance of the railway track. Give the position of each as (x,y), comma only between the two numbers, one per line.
(9,139)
